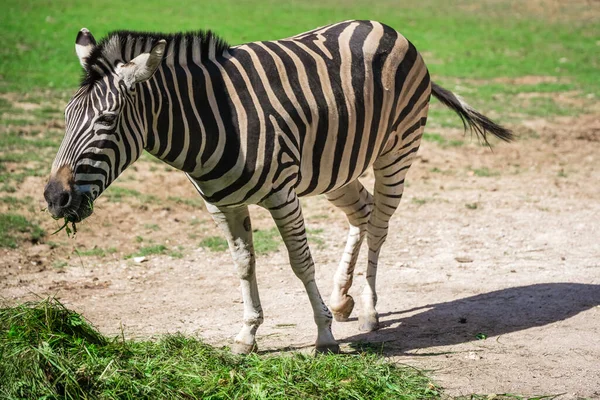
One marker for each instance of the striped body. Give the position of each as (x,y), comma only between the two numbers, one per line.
(259,123)
(313,111)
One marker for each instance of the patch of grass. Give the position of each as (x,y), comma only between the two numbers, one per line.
(314,237)
(5,105)
(320,216)
(442,141)
(149,250)
(16,202)
(507,396)
(195,221)
(59,264)
(472,206)
(152,227)
(176,253)
(419,201)
(15,228)
(485,172)
(489,39)
(48,351)
(97,252)
(214,243)
(17,140)
(266,241)
(118,194)
(195,203)
(6,188)
(368,347)
(19,177)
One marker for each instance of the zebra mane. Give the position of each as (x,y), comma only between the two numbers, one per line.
(123,46)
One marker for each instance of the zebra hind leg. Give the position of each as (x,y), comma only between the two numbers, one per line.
(286,211)
(390,171)
(356,202)
(235,223)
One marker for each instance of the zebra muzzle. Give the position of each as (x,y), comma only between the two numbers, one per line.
(64,199)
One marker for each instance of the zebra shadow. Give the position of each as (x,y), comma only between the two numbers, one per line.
(464,320)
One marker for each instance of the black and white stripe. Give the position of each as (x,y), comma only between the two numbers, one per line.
(264,123)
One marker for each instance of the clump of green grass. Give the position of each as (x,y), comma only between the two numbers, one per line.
(314,237)
(6,188)
(441,140)
(214,243)
(48,351)
(97,252)
(419,201)
(506,396)
(149,250)
(152,227)
(59,264)
(195,203)
(15,228)
(118,194)
(485,172)
(176,254)
(15,202)
(266,241)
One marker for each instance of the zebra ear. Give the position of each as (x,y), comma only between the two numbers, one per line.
(84,44)
(143,66)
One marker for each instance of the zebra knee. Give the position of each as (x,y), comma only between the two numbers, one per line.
(243,258)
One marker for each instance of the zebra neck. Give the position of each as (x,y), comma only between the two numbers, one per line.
(180,104)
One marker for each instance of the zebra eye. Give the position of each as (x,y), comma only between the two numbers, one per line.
(106,119)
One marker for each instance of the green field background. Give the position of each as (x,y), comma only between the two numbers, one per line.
(460,39)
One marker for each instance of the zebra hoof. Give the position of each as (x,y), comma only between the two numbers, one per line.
(333,348)
(243,348)
(342,313)
(368,323)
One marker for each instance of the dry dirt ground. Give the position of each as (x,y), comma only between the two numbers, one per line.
(504,243)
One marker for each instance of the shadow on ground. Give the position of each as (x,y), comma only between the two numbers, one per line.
(460,321)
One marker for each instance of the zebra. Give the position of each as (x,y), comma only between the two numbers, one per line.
(261,123)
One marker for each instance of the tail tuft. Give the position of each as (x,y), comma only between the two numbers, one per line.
(472,119)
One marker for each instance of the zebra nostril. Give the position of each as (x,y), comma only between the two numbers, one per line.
(64,199)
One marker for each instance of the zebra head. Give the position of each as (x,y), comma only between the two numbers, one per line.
(104,132)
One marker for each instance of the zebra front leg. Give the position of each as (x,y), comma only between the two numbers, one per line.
(235,223)
(287,213)
(355,201)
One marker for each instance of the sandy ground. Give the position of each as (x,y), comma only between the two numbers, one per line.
(514,255)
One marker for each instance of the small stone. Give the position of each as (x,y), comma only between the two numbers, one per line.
(139,260)
(463,259)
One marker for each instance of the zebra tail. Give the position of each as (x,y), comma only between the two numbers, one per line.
(471,118)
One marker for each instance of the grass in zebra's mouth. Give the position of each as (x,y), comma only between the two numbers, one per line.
(72,219)
(68,230)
